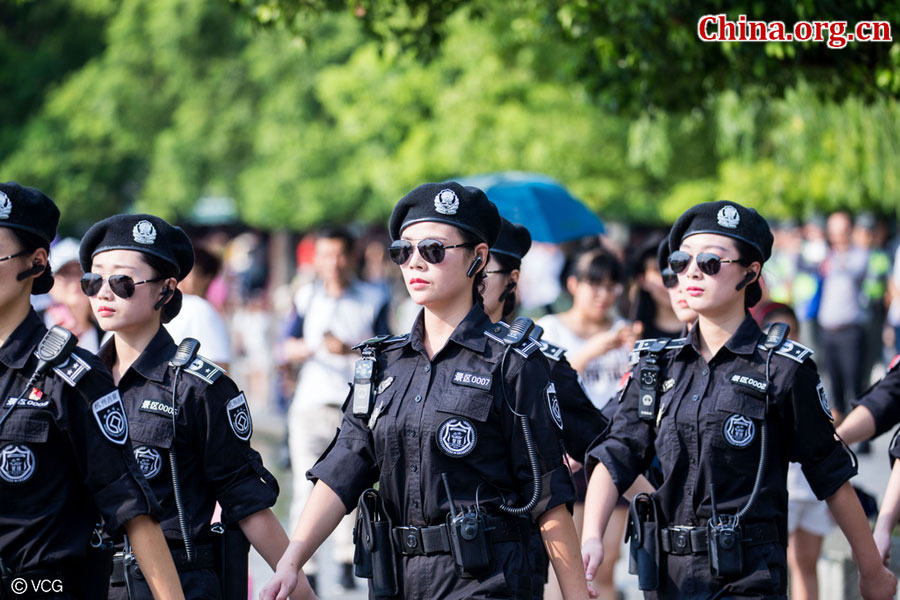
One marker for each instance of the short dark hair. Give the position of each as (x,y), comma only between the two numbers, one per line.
(164,268)
(478,279)
(338,233)
(596,266)
(205,262)
(507,264)
(31,242)
(747,255)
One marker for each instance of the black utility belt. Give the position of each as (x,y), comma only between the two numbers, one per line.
(67,572)
(694,540)
(204,558)
(425,541)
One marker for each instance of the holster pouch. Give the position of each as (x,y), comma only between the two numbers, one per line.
(98,568)
(375,557)
(643,530)
(231,549)
(135,583)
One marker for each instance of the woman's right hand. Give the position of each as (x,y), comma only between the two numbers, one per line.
(592,554)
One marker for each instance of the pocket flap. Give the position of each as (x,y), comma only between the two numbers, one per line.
(467,402)
(152,434)
(743,403)
(26,426)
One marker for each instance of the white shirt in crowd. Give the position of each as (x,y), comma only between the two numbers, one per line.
(199,320)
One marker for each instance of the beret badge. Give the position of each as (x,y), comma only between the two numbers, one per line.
(446,202)
(144,232)
(5,206)
(728,217)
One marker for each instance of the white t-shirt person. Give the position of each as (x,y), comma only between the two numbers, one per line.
(199,320)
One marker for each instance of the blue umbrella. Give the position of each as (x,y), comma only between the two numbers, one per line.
(539,203)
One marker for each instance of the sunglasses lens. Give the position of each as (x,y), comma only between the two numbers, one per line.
(669,278)
(400,251)
(432,251)
(91,284)
(122,285)
(709,263)
(679,261)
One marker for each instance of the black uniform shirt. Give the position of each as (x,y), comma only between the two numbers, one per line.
(212,433)
(448,415)
(65,456)
(582,421)
(883,399)
(709,428)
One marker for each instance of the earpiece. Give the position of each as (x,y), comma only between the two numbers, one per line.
(36,269)
(473,268)
(507,290)
(165,296)
(747,279)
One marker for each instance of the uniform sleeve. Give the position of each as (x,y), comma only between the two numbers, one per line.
(531,383)
(348,466)
(883,401)
(242,484)
(894,450)
(825,462)
(582,422)
(627,450)
(109,469)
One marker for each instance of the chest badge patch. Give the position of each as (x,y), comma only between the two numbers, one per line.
(823,401)
(553,405)
(149,460)
(474,380)
(239,417)
(110,415)
(739,431)
(17,463)
(751,383)
(456,437)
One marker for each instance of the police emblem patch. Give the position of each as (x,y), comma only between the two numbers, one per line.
(739,431)
(144,232)
(17,463)
(553,405)
(728,217)
(446,202)
(149,460)
(823,400)
(456,437)
(239,417)
(5,206)
(110,415)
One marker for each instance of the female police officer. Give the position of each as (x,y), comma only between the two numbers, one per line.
(440,436)
(65,454)
(184,413)
(724,410)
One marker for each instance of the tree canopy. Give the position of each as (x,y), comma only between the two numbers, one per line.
(153,104)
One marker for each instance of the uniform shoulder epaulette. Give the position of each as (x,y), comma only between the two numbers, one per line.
(554,353)
(205,369)
(526,347)
(793,350)
(380,340)
(72,370)
(672,344)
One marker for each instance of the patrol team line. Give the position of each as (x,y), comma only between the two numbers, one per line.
(454,437)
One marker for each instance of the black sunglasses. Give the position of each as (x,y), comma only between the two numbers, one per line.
(707,262)
(121,285)
(669,277)
(431,250)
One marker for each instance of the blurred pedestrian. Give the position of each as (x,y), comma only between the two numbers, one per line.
(71,308)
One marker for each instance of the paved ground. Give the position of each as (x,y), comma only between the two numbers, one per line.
(874,471)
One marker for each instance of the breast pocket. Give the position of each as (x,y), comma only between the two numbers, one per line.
(152,438)
(735,422)
(22,445)
(461,429)
(386,433)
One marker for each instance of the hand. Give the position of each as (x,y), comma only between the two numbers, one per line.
(295,350)
(333,345)
(880,586)
(288,582)
(592,554)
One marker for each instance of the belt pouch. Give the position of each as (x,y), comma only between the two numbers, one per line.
(384,567)
(230,549)
(98,570)
(644,549)
(137,586)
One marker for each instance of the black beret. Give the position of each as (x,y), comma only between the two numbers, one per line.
(724,218)
(141,233)
(514,240)
(662,254)
(465,207)
(28,209)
